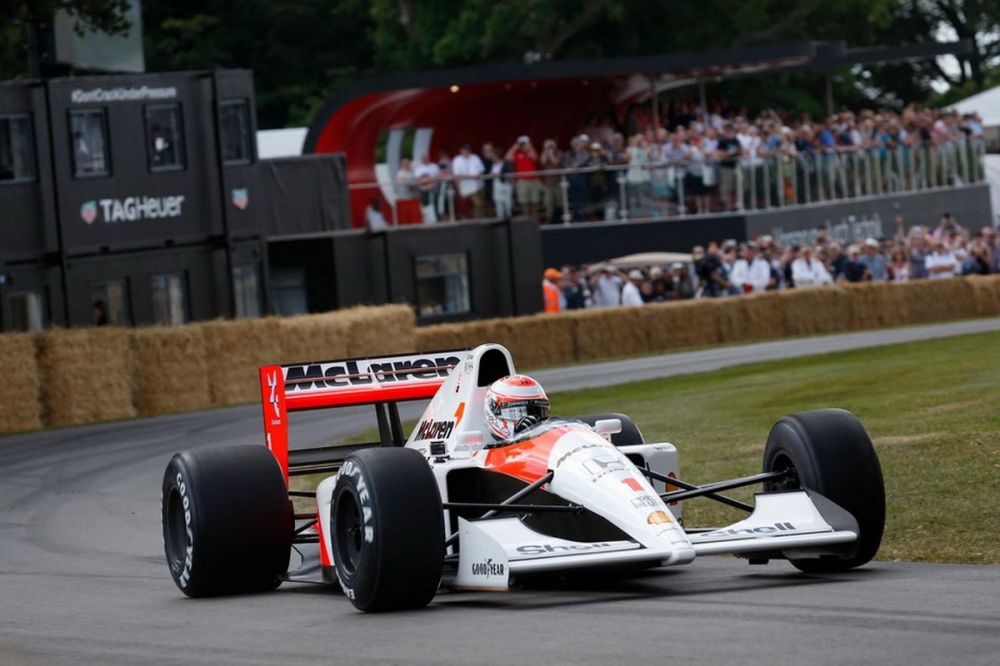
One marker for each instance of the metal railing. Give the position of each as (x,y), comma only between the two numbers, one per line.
(680,188)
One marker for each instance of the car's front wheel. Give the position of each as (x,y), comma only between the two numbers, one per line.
(829,451)
(388,530)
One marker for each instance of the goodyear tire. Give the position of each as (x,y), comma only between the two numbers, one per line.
(829,451)
(388,530)
(227,521)
(629,435)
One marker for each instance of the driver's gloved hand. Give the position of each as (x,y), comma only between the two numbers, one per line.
(526,422)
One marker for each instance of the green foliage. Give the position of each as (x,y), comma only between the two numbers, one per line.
(105,15)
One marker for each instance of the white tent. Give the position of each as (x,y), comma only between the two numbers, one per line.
(986,104)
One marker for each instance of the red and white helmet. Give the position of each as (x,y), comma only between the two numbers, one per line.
(510,399)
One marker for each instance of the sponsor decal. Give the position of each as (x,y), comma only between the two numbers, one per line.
(633,484)
(435,430)
(568,454)
(132,209)
(185,576)
(363,372)
(352,470)
(272,383)
(658,518)
(88,211)
(603,464)
(849,228)
(487,568)
(752,531)
(240,198)
(133,94)
(645,502)
(545,548)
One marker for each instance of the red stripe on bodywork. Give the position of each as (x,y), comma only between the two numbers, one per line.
(527,460)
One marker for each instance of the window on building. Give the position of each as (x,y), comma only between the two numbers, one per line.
(246,290)
(442,284)
(165,137)
(17,149)
(88,130)
(29,310)
(234,131)
(111,303)
(288,291)
(170,299)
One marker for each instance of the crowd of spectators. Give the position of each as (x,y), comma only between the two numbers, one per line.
(733,268)
(682,150)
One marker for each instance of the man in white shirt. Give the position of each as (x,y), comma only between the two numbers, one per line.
(808,271)
(752,272)
(427,173)
(630,291)
(470,190)
(608,287)
(941,263)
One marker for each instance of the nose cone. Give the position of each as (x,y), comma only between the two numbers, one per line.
(591,472)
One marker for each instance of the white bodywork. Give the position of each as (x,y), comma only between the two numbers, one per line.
(590,472)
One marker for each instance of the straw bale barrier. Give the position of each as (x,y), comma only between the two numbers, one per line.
(938,300)
(986,294)
(680,324)
(318,337)
(873,305)
(234,351)
(751,317)
(465,335)
(375,331)
(86,375)
(172,370)
(813,310)
(20,394)
(606,332)
(541,340)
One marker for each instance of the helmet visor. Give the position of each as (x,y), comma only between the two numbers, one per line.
(518,409)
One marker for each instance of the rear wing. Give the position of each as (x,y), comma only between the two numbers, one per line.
(381,381)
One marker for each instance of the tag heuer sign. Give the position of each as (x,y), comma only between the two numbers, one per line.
(241,198)
(132,209)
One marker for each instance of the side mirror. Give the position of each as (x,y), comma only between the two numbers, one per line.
(470,440)
(608,427)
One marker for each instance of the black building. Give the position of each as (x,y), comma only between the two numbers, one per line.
(140,200)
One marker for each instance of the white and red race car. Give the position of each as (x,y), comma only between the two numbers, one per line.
(450,506)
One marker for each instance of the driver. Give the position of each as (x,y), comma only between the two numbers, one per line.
(513,404)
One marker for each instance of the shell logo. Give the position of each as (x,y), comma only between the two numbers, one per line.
(658,518)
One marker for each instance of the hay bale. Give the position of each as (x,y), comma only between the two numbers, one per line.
(813,310)
(541,340)
(682,324)
(86,375)
(20,395)
(235,350)
(609,332)
(750,317)
(873,305)
(938,300)
(172,370)
(986,294)
(319,337)
(446,337)
(375,331)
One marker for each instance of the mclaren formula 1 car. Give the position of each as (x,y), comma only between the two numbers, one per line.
(450,506)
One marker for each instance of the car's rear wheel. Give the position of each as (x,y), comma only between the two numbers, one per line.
(227,521)
(629,435)
(829,451)
(388,530)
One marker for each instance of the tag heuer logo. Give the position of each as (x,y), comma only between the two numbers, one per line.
(240,198)
(88,211)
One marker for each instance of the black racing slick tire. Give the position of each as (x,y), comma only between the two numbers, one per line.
(388,530)
(227,521)
(629,435)
(830,452)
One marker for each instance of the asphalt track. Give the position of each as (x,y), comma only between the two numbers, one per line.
(83,581)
